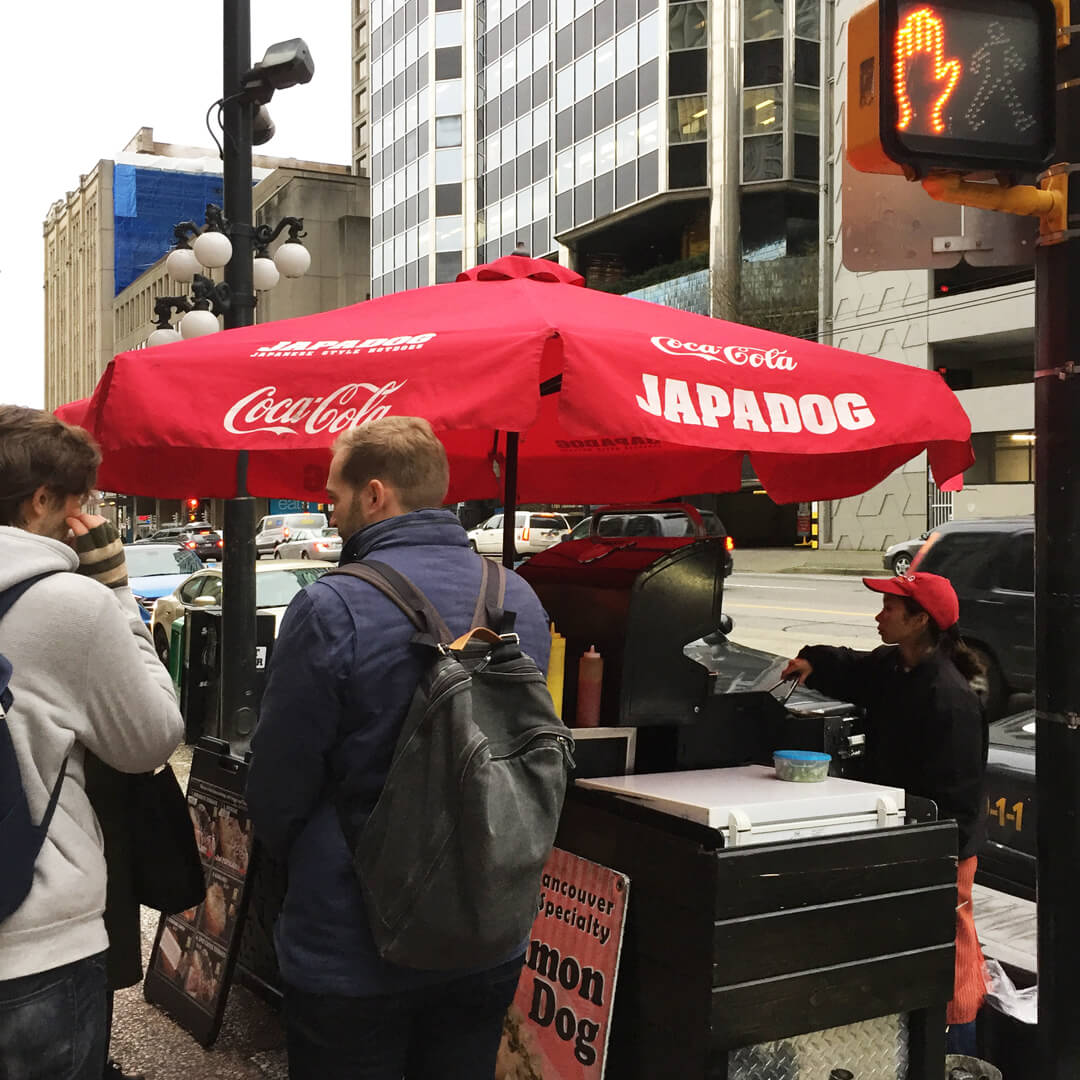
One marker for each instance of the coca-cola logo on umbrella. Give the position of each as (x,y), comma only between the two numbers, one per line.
(262,410)
(738,355)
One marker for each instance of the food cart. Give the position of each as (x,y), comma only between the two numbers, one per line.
(542,389)
(774,930)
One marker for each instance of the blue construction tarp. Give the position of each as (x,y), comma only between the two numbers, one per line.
(147,203)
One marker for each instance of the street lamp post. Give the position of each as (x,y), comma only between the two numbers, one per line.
(238,594)
(230,240)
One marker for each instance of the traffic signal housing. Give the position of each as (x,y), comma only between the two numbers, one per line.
(951,85)
(192,507)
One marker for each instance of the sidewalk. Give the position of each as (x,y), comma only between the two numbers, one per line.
(808,561)
(251,1045)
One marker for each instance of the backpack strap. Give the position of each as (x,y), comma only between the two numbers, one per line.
(11,594)
(489,604)
(7,602)
(396,587)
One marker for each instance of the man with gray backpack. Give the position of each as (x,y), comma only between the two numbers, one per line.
(409,767)
(78,674)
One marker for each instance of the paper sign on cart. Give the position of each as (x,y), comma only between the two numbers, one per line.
(558,1025)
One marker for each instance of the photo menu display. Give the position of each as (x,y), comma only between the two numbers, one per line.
(194,952)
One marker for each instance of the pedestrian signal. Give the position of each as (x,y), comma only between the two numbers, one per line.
(951,85)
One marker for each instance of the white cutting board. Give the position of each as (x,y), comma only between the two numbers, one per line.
(709,796)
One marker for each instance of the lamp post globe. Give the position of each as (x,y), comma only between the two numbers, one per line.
(163,336)
(264,273)
(198,323)
(182,265)
(292,259)
(213,249)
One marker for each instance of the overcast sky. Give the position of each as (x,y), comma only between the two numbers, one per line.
(79,80)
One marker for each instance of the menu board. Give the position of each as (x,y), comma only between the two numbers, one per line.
(558,1025)
(194,952)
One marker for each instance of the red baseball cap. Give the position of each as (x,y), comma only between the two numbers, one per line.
(931,592)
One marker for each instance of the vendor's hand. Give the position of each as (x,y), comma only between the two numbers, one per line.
(97,543)
(800,667)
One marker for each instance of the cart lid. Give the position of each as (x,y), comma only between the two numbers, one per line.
(710,796)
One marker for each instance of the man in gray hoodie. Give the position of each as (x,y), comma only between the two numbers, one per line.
(86,677)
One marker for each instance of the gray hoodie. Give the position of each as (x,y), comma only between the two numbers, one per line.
(85,676)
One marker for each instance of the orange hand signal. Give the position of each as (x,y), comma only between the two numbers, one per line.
(923,32)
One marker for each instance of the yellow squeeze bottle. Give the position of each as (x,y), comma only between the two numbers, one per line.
(556,674)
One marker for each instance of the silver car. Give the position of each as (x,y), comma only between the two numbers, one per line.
(322,544)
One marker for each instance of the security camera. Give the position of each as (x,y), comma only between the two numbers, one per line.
(263,128)
(285,64)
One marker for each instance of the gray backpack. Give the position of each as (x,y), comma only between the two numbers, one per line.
(450,859)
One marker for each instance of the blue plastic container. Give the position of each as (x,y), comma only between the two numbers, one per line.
(801,766)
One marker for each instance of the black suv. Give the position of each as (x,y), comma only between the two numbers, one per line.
(991,564)
(197,536)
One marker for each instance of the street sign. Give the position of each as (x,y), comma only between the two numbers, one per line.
(959,85)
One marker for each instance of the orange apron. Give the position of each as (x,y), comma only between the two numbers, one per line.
(969,983)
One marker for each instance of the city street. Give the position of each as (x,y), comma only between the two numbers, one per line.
(781,613)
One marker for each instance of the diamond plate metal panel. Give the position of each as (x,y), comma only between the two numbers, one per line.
(871,1049)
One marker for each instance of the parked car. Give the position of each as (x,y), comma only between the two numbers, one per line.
(198,536)
(673,522)
(535,531)
(897,559)
(275,585)
(1008,859)
(276,529)
(324,544)
(991,564)
(157,569)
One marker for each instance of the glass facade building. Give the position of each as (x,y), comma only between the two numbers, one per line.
(613,134)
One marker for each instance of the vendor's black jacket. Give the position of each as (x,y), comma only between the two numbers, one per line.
(926,732)
(341,677)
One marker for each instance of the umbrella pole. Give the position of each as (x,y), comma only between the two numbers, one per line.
(510,501)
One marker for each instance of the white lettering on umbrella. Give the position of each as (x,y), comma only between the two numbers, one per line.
(737,355)
(713,403)
(852,411)
(817,414)
(282,417)
(783,412)
(745,412)
(333,347)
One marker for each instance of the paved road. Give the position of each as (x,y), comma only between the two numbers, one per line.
(783,612)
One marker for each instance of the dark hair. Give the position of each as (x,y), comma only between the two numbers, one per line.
(39,450)
(949,642)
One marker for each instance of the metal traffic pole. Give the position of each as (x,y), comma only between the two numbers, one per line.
(238,712)
(1057,608)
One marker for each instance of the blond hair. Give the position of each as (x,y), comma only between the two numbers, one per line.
(401,451)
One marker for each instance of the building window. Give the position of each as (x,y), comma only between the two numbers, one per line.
(448,131)
(1002,457)
(688,119)
(688,26)
(447,266)
(448,63)
(763,19)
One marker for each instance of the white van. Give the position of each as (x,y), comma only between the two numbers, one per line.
(275,529)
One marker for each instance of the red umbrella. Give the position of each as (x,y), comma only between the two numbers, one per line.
(614,398)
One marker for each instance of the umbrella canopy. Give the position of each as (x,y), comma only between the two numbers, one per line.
(614,398)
